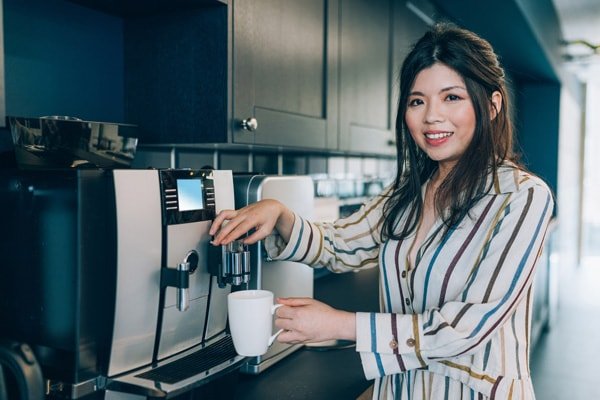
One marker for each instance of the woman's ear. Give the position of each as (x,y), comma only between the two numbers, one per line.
(496,104)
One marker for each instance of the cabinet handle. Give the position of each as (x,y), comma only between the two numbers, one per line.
(250,124)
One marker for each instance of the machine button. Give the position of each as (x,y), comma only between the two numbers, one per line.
(407,301)
(403,274)
(393,344)
(192,259)
(411,342)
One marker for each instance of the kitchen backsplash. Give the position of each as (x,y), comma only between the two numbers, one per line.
(333,167)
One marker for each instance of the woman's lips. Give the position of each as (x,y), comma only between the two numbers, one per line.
(436,138)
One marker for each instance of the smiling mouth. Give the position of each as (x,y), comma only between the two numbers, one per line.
(438,135)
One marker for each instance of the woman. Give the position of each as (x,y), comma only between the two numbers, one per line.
(456,238)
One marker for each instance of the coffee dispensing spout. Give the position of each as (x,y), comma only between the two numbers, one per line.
(237,262)
(230,263)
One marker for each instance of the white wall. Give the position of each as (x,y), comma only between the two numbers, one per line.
(591,173)
(570,170)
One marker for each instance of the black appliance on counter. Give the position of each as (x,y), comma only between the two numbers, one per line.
(104,273)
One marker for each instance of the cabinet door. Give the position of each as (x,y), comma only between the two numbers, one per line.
(408,27)
(366,76)
(284,72)
(375,36)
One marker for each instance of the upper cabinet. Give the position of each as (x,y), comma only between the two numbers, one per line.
(374,38)
(251,72)
(284,86)
(311,74)
(319,74)
(248,72)
(365,76)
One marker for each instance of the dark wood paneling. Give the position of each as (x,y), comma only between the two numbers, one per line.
(281,56)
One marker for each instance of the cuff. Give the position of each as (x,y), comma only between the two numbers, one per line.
(298,245)
(388,343)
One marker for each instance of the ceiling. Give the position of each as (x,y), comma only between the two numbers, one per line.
(580,23)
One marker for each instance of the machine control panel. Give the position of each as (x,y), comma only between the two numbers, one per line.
(187,196)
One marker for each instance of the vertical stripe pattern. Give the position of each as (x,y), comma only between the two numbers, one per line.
(456,324)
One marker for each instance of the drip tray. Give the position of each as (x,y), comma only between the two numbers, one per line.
(181,373)
(193,364)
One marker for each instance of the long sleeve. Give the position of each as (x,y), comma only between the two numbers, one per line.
(347,244)
(464,290)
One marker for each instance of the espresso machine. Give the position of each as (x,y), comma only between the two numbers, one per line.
(283,278)
(109,277)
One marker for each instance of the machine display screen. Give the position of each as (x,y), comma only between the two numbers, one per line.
(190,194)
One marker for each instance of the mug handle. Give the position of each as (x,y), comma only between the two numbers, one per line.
(272,338)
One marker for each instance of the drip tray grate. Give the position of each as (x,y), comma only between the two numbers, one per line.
(193,364)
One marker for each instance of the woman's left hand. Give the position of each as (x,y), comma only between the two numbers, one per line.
(306,320)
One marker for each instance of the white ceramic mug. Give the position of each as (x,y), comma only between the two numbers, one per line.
(251,320)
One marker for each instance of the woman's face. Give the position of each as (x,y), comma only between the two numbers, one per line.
(440,115)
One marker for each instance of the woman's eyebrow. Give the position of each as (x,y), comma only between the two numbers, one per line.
(446,89)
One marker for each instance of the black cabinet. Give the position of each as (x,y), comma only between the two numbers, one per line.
(311,74)
(284,59)
(366,75)
(194,72)
(374,39)
(319,74)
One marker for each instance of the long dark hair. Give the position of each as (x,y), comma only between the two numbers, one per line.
(474,59)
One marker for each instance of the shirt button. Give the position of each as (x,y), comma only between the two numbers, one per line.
(411,342)
(403,274)
(393,344)
(407,301)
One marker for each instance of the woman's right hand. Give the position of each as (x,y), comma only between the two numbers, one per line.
(262,216)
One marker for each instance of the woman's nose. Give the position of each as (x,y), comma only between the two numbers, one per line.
(433,113)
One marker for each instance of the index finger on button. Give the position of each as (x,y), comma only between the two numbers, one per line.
(218,221)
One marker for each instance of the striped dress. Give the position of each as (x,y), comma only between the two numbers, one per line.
(456,324)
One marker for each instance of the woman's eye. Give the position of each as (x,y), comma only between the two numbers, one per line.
(415,102)
(452,97)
